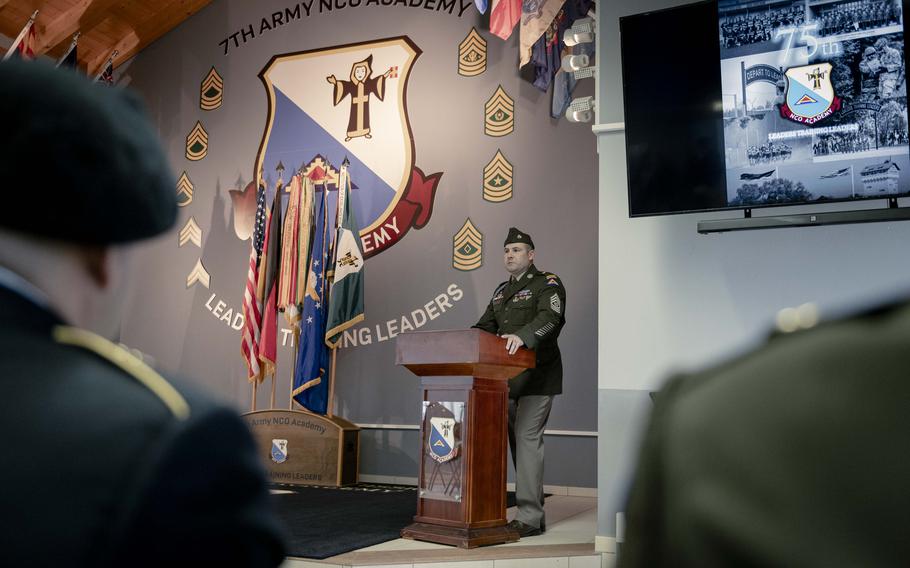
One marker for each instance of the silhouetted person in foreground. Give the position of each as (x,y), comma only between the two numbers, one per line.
(105,463)
(797,454)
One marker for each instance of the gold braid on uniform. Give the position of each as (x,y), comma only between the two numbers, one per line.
(123,359)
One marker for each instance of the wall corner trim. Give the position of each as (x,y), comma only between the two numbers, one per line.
(608,127)
(605,544)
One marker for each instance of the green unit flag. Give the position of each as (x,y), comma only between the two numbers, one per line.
(346,294)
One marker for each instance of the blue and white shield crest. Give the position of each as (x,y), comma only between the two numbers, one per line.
(279,451)
(810,94)
(350,101)
(442,438)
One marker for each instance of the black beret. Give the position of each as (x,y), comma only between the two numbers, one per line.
(516,236)
(80,160)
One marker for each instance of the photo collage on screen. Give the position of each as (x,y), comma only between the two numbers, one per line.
(814,100)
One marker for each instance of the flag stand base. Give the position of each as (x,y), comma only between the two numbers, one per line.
(302,448)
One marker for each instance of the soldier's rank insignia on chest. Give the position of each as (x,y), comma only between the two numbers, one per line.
(522,295)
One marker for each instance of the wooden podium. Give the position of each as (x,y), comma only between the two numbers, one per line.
(464,434)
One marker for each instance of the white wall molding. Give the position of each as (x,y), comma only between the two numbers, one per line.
(561,490)
(568,433)
(604,544)
(608,127)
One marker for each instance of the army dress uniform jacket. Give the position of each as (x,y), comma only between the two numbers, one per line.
(796,454)
(107,464)
(533,308)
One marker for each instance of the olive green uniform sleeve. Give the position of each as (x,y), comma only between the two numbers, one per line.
(548,319)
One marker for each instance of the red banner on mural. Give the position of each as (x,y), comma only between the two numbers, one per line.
(413,210)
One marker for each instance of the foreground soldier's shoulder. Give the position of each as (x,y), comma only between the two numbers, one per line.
(169,396)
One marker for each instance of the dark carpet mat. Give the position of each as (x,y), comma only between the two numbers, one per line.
(328,521)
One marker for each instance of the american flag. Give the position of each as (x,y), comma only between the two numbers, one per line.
(252,308)
(24,46)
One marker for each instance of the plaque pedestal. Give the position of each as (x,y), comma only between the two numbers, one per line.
(301,448)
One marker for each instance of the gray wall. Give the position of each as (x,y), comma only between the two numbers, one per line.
(555,200)
(671,299)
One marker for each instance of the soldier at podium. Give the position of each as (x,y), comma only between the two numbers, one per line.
(528,310)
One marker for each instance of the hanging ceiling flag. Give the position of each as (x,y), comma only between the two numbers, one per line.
(197,143)
(467,248)
(503,17)
(211,92)
(536,17)
(499,114)
(497,179)
(472,55)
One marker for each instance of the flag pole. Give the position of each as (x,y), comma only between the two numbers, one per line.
(25,30)
(272,400)
(253,403)
(109,61)
(70,50)
(296,346)
(331,400)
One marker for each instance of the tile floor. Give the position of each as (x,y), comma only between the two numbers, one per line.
(568,543)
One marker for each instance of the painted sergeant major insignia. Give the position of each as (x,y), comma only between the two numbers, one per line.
(211,92)
(472,55)
(497,179)
(467,248)
(499,114)
(442,439)
(279,451)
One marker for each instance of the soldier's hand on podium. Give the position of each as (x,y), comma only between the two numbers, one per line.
(513,342)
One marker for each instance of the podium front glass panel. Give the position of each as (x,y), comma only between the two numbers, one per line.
(443,454)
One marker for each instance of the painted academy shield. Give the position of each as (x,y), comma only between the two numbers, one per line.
(810,94)
(350,101)
(279,451)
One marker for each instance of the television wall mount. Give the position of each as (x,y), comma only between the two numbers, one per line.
(749,223)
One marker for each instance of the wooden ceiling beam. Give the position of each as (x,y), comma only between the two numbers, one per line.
(82,16)
(126,44)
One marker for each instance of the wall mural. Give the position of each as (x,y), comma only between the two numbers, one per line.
(448,146)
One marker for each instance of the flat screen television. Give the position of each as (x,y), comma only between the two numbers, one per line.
(738,105)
